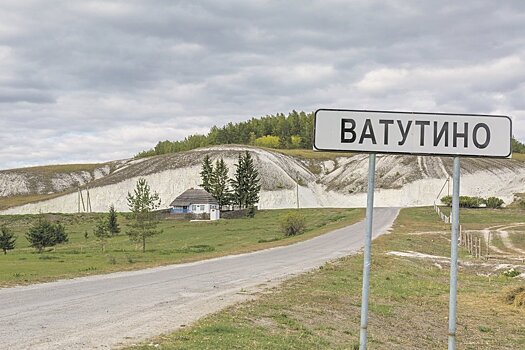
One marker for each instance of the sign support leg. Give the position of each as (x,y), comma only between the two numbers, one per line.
(454,258)
(367,253)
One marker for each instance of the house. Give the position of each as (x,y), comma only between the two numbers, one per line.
(196,201)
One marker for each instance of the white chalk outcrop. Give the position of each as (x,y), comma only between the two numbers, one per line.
(340,182)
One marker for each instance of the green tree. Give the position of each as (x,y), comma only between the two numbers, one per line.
(245,183)
(144,222)
(7,239)
(45,234)
(220,183)
(517,146)
(267,141)
(112,224)
(102,233)
(207,174)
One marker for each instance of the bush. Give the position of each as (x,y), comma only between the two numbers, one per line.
(293,224)
(470,202)
(250,212)
(447,200)
(464,201)
(512,272)
(494,202)
(45,234)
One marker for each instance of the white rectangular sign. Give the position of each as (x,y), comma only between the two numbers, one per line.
(413,133)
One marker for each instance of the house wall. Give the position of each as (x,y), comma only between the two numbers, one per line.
(202,208)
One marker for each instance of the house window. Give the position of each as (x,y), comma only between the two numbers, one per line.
(193,207)
(201,207)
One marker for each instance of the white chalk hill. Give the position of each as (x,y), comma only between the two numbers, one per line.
(321,180)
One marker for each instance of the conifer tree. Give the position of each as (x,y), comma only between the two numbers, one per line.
(253,186)
(7,239)
(142,203)
(220,183)
(112,224)
(102,233)
(207,174)
(45,234)
(245,183)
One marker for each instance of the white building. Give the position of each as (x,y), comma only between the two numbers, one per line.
(196,201)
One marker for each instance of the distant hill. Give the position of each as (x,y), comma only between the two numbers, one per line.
(322,179)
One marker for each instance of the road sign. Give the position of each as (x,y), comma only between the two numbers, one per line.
(471,135)
(468,135)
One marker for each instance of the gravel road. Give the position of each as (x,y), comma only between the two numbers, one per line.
(107,311)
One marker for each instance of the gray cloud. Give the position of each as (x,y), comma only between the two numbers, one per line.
(98,80)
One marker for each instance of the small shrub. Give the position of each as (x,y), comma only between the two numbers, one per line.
(512,272)
(447,200)
(262,240)
(464,201)
(470,202)
(250,212)
(200,248)
(293,224)
(45,234)
(112,260)
(7,239)
(494,202)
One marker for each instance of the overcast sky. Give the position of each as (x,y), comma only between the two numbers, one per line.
(89,81)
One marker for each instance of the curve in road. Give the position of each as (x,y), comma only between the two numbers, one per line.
(101,312)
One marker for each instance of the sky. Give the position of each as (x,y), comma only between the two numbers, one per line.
(93,81)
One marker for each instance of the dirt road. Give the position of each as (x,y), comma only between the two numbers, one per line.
(102,312)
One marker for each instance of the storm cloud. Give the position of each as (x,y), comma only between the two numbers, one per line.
(86,81)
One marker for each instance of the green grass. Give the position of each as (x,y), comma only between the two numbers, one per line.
(480,218)
(14,201)
(311,154)
(518,239)
(518,156)
(60,168)
(408,302)
(180,241)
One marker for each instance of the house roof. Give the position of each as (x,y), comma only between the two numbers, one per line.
(193,196)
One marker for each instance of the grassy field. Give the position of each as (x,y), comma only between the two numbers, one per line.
(408,300)
(311,154)
(14,201)
(180,241)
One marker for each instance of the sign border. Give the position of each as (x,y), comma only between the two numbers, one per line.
(409,153)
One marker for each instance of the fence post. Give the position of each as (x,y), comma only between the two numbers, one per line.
(488,245)
(480,250)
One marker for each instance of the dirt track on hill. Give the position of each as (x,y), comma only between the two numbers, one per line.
(102,312)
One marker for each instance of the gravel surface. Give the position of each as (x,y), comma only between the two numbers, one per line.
(108,311)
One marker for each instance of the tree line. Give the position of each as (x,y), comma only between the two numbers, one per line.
(294,130)
(275,131)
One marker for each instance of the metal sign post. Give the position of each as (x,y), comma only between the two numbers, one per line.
(444,134)
(454,257)
(368,248)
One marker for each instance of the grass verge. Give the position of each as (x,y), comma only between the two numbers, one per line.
(408,301)
(180,241)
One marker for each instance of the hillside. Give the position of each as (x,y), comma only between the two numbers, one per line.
(322,179)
